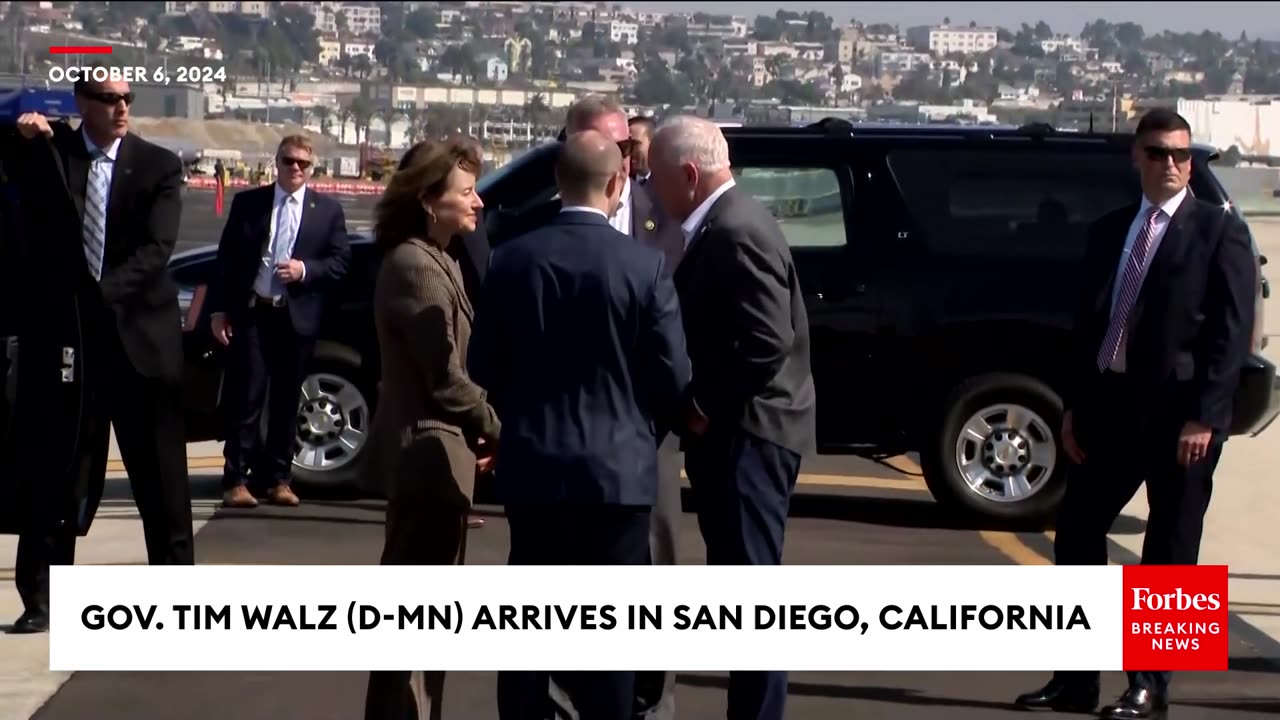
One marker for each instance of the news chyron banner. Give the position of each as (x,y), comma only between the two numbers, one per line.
(687,618)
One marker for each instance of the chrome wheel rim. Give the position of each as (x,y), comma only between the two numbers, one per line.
(332,425)
(1006,453)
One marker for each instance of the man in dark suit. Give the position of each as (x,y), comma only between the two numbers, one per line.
(112,250)
(639,216)
(641,128)
(1163,327)
(750,409)
(283,251)
(578,340)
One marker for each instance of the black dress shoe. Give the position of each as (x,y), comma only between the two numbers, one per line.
(30,623)
(1135,704)
(1061,697)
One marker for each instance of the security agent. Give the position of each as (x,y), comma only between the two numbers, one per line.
(1163,325)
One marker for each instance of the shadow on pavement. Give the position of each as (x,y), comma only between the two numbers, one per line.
(898,696)
(1267,706)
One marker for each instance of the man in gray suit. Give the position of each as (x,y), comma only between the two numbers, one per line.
(750,412)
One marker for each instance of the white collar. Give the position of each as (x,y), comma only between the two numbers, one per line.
(626,195)
(111,150)
(584,208)
(694,221)
(1168,207)
(297,195)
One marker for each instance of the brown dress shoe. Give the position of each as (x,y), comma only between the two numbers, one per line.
(239,497)
(283,495)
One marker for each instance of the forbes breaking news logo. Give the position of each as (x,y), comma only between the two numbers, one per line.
(1175,617)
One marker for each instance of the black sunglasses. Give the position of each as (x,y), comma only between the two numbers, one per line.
(107,98)
(1156,153)
(302,164)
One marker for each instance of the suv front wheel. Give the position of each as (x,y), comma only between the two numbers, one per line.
(994,451)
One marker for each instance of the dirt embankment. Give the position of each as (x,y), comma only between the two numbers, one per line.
(250,138)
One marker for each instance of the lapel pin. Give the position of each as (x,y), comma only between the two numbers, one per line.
(648,225)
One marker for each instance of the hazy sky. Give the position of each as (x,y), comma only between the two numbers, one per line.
(1229,18)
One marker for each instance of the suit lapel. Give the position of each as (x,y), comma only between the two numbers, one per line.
(121,171)
(1171,246)
(307,221)
(77,155)
(1115,235)
(440,258)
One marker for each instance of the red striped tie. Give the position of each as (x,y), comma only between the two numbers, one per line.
(1130,283)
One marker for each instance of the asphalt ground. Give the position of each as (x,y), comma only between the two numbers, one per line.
(202,226)
(872,516)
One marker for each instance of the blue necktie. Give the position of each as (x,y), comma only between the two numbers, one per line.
(95,214)
(281,249)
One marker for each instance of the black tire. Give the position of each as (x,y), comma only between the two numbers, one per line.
(939,461)
(339,479)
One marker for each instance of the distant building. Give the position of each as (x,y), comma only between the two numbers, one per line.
(944,39)
(623,31)
(168,101)
(495,69)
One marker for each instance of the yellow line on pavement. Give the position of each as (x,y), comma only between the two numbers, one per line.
(855,481)
(197,463)
(1012,547)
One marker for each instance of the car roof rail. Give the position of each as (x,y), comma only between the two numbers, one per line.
(832,126)
(1037,129)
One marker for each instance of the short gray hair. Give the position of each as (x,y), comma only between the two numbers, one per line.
(688,139)
(588,108)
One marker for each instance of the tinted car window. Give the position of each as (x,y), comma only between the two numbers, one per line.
(1012,203)
(806,201)
(190,272)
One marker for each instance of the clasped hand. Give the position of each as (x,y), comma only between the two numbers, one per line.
(1193,442)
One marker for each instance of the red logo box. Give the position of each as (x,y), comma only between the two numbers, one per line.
(1175,617)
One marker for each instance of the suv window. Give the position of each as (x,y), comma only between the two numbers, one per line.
(806,201)
(1021,203)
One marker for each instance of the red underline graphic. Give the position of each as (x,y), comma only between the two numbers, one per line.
(80,50)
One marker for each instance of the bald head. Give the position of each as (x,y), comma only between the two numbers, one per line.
(589,170)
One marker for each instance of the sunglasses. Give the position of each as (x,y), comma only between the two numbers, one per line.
(302,164)
(107,98)
(1156,153)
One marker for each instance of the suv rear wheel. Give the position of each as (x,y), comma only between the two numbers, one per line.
(335,410)
(995,451)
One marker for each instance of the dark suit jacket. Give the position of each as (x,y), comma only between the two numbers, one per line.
(322,245)
(649,225)
(1192,324)
(747,325)
(143,212)
(578,341)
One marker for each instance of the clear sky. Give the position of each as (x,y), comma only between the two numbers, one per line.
(1259,19)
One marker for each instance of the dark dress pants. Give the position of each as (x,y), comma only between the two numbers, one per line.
(420,531)
(267,362)
(146,414)
(1130,436)
(742,487)
(574,535)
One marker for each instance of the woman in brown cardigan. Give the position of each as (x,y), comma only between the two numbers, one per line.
(433,428)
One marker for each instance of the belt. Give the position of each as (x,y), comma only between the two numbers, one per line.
(259,301)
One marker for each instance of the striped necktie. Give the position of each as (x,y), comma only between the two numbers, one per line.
(94,225)
(1130,283)
(282,246)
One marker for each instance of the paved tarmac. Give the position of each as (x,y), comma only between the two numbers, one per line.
(828,526)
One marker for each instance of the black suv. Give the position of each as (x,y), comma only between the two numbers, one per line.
(939,266)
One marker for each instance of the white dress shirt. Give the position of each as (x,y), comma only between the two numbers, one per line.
(1167,209)
(292,203)
(621,220)
(694,221)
